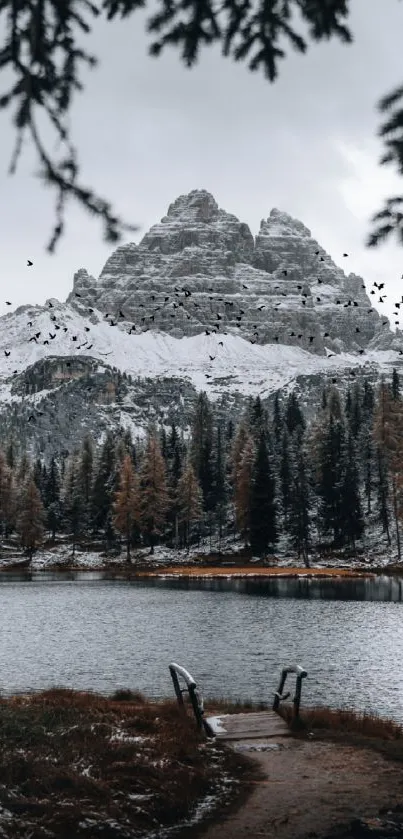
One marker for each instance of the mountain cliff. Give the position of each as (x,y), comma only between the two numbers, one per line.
(198,304)
(200,268)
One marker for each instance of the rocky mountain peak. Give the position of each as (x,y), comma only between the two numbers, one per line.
(200,269)
(280,223)
(198,205)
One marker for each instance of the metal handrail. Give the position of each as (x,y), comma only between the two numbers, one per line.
(279,696)
(195,695)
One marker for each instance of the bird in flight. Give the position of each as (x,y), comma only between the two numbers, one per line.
(8,303)
(29,262)
(7,353)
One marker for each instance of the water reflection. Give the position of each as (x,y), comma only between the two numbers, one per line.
(381,588)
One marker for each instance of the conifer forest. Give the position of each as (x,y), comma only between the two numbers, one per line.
(270,479)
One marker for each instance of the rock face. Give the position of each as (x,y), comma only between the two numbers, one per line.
(200,268)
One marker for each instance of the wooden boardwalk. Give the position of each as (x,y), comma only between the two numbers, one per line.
(249,726)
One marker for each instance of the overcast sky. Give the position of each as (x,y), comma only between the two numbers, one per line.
(150,129)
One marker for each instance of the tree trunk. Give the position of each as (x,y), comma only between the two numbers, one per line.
(128,549)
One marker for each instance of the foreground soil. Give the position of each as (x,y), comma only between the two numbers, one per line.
(307,788)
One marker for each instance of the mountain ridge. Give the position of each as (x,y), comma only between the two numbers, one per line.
(111,355)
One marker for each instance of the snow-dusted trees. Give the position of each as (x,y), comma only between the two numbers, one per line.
(299,497)
(293,413)
(73,502)
(388,433)
(202,447)
(103,485)
(189,499)
(153,492)
(242,478)
(30,520)
(52,496)
(263,530)
(126,504)
(8,499)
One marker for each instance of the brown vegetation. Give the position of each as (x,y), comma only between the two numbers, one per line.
(248,571)
(70,765)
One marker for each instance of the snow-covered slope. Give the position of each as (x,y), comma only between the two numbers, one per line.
(198,304)
(211,362)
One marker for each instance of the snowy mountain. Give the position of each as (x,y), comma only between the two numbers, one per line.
(131,347)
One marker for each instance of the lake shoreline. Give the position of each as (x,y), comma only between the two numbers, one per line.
(193,572)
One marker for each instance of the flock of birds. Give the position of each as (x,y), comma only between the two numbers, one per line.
(113,320)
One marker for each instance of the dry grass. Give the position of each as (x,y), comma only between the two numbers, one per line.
(348,726)
(248,571)
(68,757)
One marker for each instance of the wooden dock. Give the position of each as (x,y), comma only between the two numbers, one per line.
(249,726)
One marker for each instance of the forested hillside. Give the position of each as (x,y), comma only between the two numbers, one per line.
(274,480)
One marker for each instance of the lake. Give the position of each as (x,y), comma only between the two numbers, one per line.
(84,631)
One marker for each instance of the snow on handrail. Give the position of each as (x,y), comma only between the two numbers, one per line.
(195,695)
(300,673)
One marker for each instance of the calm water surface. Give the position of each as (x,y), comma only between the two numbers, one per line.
(86,632)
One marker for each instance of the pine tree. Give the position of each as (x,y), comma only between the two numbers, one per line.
(202,448)
(84,478)
(293,413)
(103,486)
(278,422)
(395,384)
(329,488)
(379,431)
(242,435)
(53,502)
(163,443)
(243,488)
(174,471)
(8,498)
(153,492)
(30,521)
(73,502)
(263,530)
(189,501)
(356,418)
(229,431)
(299,518)
(126,504)
(351,511)
(368,400)
(219,481)
(388,431)
(257,418)
(10,455)
(285,474)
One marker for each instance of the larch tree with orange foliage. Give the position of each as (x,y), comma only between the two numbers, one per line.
(154,496)
(189,499)
(126,504)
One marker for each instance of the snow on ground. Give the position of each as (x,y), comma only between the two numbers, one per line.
(376,552)
(242,366)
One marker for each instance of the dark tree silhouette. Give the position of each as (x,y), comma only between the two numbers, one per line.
(41,52)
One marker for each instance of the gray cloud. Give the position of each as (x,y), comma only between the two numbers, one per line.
(150,129)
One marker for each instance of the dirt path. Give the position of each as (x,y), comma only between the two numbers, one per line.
(307,789)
